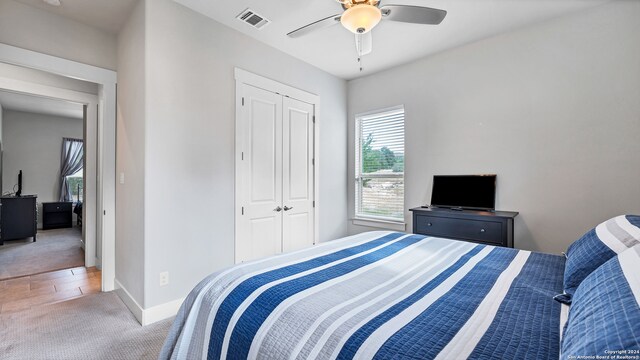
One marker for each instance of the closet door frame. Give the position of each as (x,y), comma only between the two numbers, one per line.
(244,77)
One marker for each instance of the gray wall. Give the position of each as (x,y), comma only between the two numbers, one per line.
(130,155)
(32,143)
(189,182)
(1,146)
(34,29)
(176,118)
(552,109)
(1,115)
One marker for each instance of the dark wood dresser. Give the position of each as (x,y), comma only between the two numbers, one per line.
(18,218)
(57,215)
(483,227)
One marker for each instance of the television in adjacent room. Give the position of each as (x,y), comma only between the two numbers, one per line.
(19,191)
(473,192)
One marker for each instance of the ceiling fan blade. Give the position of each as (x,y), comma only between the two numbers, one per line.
(320,24)
(413,14)
(364,43)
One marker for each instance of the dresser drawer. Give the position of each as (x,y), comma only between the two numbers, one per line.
(57,207)
(475,230)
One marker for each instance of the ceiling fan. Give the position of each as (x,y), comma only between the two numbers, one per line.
(360,16)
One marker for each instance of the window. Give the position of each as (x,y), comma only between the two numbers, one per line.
(76,183)
(380,165)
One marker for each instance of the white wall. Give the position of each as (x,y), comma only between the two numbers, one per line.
(32,143)
(130,159)
(189,180)
(44,78)
(34,29)
(552,109)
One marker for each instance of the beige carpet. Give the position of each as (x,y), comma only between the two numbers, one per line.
(53,250)
(93,327)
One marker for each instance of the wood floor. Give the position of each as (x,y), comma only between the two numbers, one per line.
(48,288)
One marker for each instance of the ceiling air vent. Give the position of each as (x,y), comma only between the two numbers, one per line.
(250,17)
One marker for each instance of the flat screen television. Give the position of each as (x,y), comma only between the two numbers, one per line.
(19,192)
(475,192)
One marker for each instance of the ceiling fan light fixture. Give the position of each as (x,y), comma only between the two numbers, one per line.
(360,19)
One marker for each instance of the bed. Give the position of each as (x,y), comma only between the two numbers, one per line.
(389,295)
(383,295)
(78,211)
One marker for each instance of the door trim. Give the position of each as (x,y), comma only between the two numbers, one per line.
(244,77)
(106,117)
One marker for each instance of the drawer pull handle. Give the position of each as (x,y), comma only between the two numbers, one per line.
(482,230)
(429,224)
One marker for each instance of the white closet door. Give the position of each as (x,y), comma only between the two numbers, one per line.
(297,179)
(260,230)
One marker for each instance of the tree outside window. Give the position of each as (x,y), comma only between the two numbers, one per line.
(76,183)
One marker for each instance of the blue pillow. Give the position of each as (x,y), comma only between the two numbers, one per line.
(595,248)
(604,319)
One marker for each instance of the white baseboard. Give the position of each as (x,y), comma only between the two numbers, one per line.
(161,312)
(129,301)
(150,315)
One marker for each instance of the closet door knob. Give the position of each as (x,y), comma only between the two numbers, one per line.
(286,208)
(278,209)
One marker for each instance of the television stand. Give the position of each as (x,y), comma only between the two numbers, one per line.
(18,218)
(483,227)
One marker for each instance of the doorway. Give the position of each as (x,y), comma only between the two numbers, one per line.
(42,191)
(98,220)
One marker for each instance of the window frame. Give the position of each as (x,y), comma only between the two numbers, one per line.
(395,223)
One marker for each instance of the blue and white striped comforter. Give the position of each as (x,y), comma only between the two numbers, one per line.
(376,295)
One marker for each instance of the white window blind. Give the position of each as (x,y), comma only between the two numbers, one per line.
(380,165)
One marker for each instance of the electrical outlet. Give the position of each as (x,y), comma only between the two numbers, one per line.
(121,178)
(164,278)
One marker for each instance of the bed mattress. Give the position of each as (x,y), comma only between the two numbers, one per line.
(380,295)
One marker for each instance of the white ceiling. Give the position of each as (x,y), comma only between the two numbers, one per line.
(40,105)
(107,15)
(333,49)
